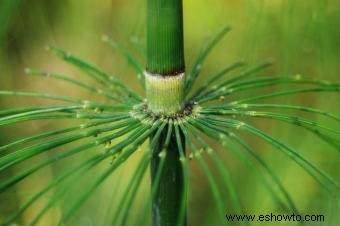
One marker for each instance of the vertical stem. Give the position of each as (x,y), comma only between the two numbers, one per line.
(164,79)
(165,51)
(166,204)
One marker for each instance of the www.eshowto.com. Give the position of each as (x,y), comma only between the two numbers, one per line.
(276,217)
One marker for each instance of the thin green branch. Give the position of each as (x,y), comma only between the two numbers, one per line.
(41,95)
(216,77)
(181,221)
(40,117)
(215,133)
(60,131)
(292,119)
(28,152)
(196,69)
(286,93)
(80,168)
(57,157)
(119,216)
(268,81)
(96,73)
(213,184)
(159,172)
(115,150)
(86,104)
(134,142)
(18,110)
(155,140)
(314,127)
(259,83)
(74,82)
(63,115)
(133,62)
(250,72)
(279,107)
(310,168)
(39,111)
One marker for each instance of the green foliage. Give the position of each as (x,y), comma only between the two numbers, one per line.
(224,115)
(207,116)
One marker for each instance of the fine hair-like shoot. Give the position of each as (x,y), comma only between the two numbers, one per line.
(151,140)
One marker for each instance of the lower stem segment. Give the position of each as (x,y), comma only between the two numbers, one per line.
(166,204)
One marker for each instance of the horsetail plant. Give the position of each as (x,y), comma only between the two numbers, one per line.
(173,114)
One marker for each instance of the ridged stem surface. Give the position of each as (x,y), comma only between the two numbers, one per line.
(165,46)
(166,204)
(165,94)
(164,83)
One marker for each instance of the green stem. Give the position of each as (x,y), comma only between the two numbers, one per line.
(165,48)
(164,83)
(167,200)
(165,94)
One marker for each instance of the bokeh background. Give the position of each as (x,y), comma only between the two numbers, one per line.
(300,36)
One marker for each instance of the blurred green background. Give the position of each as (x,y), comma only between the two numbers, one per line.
(301,36)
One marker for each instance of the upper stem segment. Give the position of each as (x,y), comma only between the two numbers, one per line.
(165,50)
